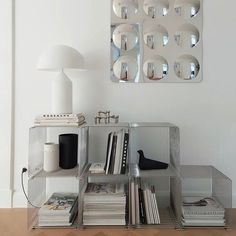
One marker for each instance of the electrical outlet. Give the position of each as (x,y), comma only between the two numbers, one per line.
(21,167)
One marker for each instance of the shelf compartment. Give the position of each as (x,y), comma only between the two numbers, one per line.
(40,188)
(207,181)
(158,141)
(98,136)
(167,194)
(39,135)
(83,185)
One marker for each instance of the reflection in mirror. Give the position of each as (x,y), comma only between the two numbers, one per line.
(155,68)
(155,36)
(156,8)
(187,8)
(187,67)
(187,36)
(125,9)
(125,68)
(125,37)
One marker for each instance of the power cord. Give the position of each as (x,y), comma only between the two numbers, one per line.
(23,188)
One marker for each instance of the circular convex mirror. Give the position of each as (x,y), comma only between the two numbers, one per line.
(187,36)
(125,9)
(187,8)
(186,67)
(125,37)
(155,68)
(155,36)
(125,68)
(156,8)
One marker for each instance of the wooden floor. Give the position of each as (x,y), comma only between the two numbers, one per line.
(13,222)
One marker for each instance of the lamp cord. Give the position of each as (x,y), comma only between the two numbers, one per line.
(23,188)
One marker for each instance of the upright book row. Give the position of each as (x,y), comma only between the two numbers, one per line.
(107,187)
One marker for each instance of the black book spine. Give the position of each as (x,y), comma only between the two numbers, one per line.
(143,217)
(108,144)
(113,153)
(124,153)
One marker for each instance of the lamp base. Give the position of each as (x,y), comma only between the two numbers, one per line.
(61,94)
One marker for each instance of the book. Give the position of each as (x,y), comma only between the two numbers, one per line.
(200,211)
(104,204)
(118,150)
(133,204)
(155,207)
(60,117)
(147,212)
(60,120)
(212,207)
(108,153)
(142,207)
(137,200)
(150,206)
(124,152)
(104,189)
(59,204)
(113,153)
(97,168)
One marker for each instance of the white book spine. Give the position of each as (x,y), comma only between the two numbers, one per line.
(137,213)
(146,207)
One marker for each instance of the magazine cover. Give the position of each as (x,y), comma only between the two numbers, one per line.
(104,189)
(59,203)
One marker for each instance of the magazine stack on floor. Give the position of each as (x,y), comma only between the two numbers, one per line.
(104,204)
(200,211)
(60,209)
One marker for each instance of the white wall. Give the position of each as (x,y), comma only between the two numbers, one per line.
(6,85)
(204,112)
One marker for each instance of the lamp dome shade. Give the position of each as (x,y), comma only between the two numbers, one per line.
(59,57)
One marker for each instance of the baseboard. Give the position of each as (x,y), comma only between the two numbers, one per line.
(234,201)
(5,198)
(19,200)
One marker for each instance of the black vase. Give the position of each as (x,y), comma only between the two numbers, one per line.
(68,149)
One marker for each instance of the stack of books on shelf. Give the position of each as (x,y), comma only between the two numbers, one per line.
(104,204)
(97,168)
(60,120)
(60,209)
(200,211)
(144,208)
(117,152)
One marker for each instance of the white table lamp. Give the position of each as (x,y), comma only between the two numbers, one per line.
(58,58)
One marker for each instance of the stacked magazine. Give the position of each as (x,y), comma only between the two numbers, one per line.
(60,120)
(200,211)
(104,204)
(60,209)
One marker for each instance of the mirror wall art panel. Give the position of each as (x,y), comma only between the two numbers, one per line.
(155,41)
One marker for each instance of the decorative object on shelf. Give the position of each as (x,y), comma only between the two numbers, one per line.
(68,149)
(149,39)
(106,117)
(60,120)
(51,157)
(58,58)
(148,164)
